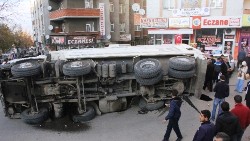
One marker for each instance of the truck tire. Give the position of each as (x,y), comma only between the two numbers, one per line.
(26,69)
(87,116)
(147,68)
(36,118)
(6,67)
(76,68)
(182,63)
(181,74)
(149,81)
(150,106)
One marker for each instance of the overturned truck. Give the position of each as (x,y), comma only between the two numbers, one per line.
(98,80)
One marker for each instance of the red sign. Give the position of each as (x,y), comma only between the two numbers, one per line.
(196,22)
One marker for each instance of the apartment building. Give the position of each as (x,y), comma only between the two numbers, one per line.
(87,23)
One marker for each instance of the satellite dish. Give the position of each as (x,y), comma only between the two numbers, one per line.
(108,36)
(47,36)
(49,8)
(50,27)
(136,7)
(142,12)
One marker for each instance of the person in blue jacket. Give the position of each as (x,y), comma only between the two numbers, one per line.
(207,130)
(173,116)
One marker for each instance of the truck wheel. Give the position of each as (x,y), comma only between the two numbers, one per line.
(181,74)
(150,106)
(87,116)
(147,68)
(182,63)
(149,81)
(35,118)
(26,69)
(6,66)
(76,68)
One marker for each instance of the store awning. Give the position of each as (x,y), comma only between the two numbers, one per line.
(170,31)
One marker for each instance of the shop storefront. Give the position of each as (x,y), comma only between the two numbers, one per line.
(244,40)
(164,30)
(216,34)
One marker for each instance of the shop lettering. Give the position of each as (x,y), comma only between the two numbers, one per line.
(215,22)
(81,41)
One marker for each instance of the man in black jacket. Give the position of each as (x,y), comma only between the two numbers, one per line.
(206,131)
(173,116)
(227,122)
(221,90)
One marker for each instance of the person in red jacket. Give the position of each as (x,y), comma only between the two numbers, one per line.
(243,114)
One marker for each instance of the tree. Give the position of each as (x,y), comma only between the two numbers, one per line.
(16,36)
(6,37)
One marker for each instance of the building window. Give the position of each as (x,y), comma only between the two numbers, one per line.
(216,3)
(137,28)
(88,3)
(122,27)
(111,7)
(112,28)
(169,4)
(121,8)
(89,27)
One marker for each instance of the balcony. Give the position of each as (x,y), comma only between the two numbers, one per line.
(74,13)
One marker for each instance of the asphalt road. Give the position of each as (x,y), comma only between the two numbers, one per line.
(121,126)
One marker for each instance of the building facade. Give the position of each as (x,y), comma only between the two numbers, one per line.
(213,25)
(87,23)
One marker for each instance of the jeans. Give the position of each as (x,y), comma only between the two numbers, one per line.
(217,102)
(239,85)
(173,123)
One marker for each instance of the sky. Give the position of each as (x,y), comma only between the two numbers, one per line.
(24,16)
(18,14)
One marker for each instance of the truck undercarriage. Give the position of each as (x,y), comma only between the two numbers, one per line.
(36,89)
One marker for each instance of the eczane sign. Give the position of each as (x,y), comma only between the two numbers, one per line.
(221,22)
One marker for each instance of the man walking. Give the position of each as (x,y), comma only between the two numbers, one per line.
(206,131)
(243,114)
(173,116)
(227,122)
(221,90)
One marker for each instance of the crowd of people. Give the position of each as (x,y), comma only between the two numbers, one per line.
(228,126)
(222,124)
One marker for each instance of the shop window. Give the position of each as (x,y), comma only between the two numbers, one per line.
(216,3)
(88,3)
(167,39)
(158,39)
(112,27)
(169,4)
(111,7)
(151,39)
